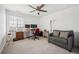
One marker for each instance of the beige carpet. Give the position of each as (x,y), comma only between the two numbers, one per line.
(30,46)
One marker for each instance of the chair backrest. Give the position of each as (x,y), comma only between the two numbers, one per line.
(37,30)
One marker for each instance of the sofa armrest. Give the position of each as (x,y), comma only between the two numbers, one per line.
(70,43)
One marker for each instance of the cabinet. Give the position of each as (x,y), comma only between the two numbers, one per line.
(19,35)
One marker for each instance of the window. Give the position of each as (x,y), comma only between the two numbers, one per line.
(15,21)
(20,22)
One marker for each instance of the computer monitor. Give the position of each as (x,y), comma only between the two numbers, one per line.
(27,26)
(33,26)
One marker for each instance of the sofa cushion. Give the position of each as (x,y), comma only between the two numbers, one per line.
(56,33)
(64,35)
(57,39)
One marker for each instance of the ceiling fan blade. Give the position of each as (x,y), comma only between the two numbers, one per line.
(43,10)
(41,6)
(32,11)
(31,6)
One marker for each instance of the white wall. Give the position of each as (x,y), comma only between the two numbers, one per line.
(2,27)
(28,19)
(67,19)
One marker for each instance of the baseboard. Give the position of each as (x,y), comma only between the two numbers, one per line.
(1,50)
(2,46)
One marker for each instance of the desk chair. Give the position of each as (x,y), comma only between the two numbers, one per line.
(36,34)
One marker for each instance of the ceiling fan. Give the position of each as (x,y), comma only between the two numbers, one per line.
(38,8)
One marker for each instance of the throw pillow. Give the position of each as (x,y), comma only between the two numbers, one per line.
(64,35)
(56,33)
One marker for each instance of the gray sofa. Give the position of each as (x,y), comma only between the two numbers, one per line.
(62,38)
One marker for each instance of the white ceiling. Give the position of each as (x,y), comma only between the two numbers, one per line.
(51,8)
